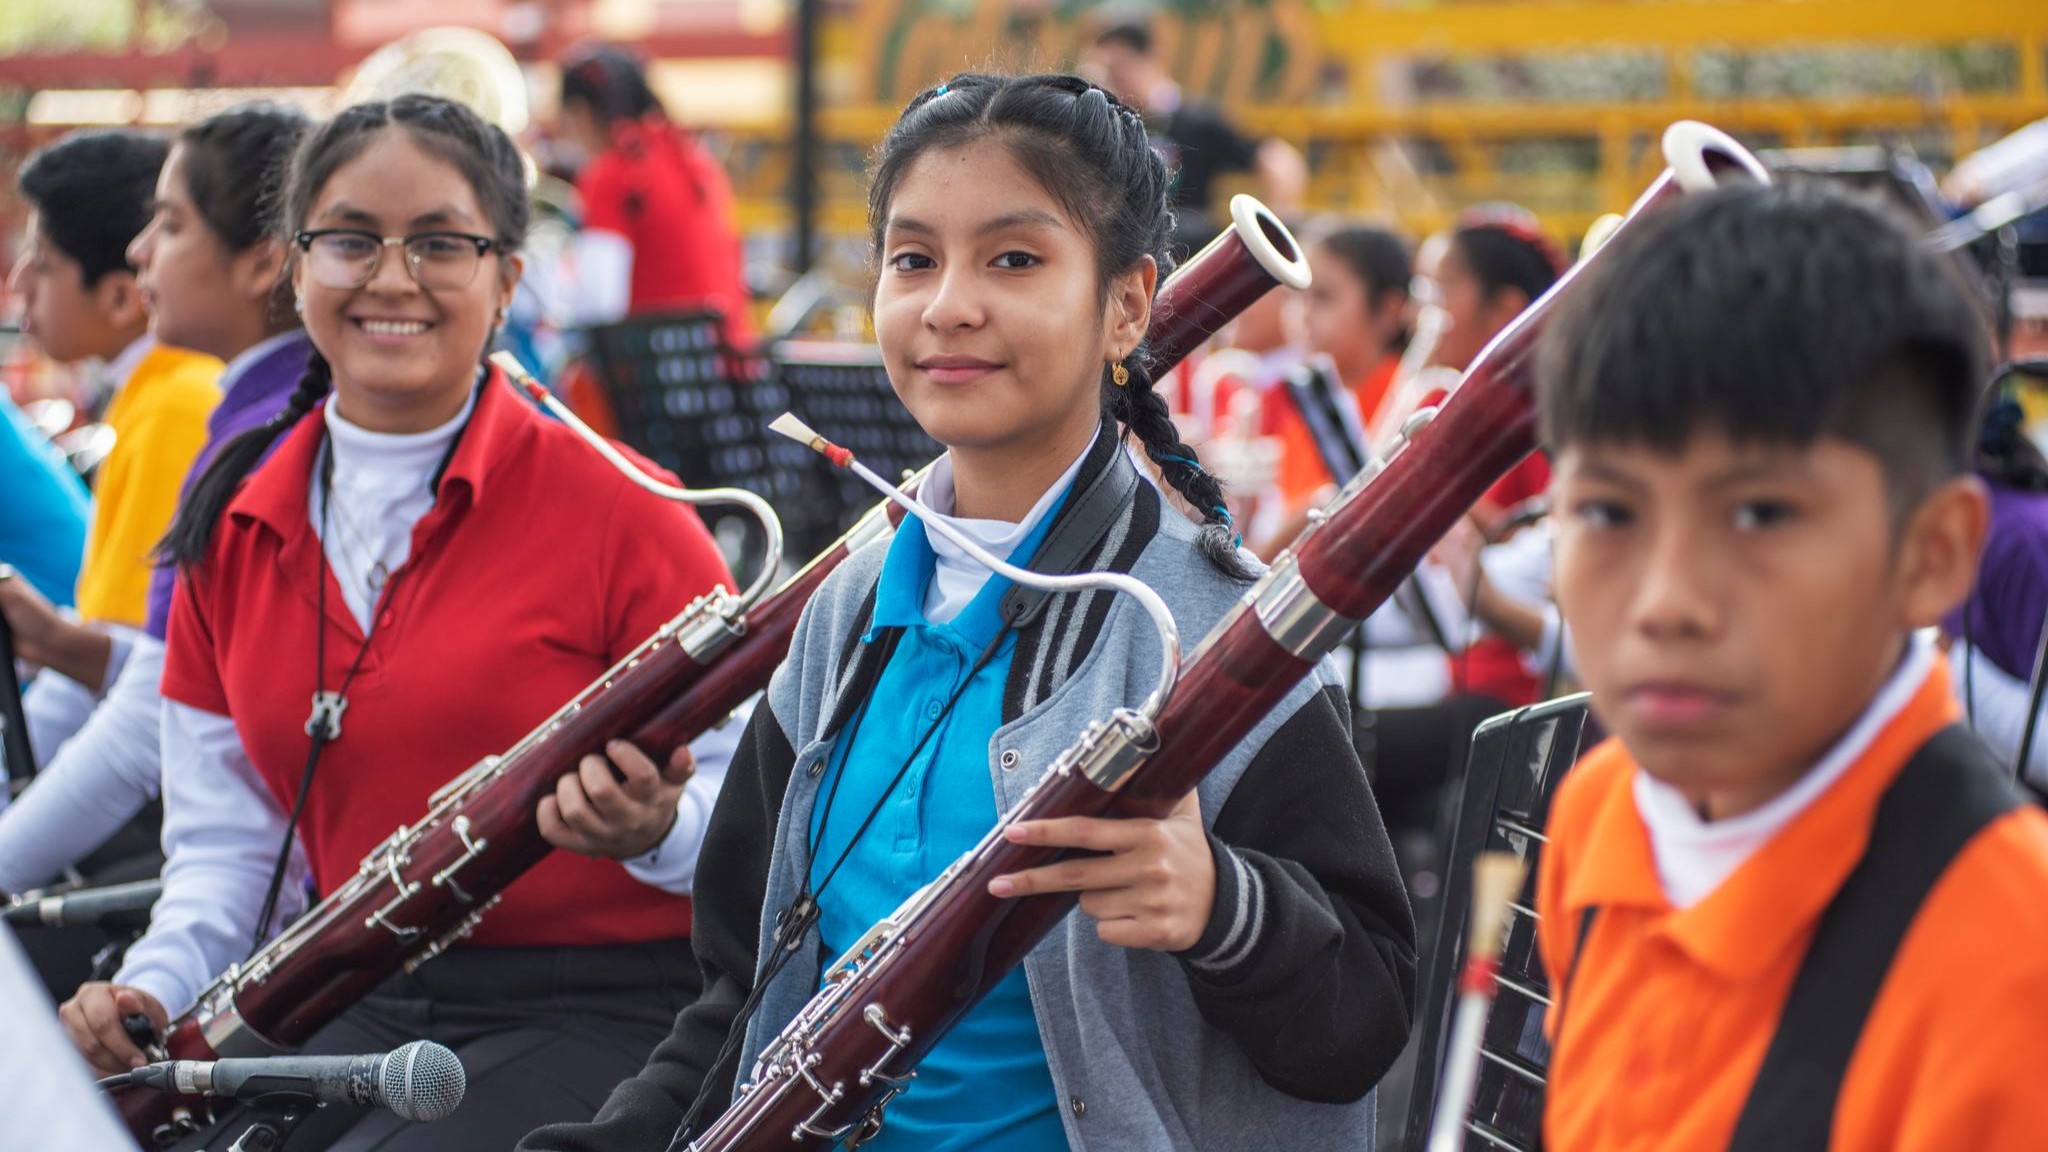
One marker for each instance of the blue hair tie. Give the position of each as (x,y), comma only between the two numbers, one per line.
(1196,465)
(941,90)
(1220,510)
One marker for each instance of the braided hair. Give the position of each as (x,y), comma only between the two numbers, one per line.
(484,155)
(1090,153)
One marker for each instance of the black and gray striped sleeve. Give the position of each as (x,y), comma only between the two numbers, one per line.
(1308,961)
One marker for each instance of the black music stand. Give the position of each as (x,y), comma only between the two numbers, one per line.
(20,757)
(684,398)
(1516,762)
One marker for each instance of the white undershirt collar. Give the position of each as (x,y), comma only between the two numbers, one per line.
(381,485)
(1694,856)
(121,367)
(957,576)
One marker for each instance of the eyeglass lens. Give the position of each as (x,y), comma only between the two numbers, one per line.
(349,260)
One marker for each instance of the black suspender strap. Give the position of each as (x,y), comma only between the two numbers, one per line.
(1946,794)
(1091,509)
(1337,440)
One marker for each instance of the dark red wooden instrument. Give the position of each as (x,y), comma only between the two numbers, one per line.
(828,1076)
(430,883)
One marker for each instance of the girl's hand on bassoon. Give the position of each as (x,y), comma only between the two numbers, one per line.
(618,806)
(92,1018)
(1154,888)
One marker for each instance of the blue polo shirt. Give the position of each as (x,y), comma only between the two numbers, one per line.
(986,1086)
(45,511)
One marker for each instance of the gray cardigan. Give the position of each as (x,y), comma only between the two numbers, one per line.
(1267,1035)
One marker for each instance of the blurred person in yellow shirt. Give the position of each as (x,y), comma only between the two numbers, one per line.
(90,194)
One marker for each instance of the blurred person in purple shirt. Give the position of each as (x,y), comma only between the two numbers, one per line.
(213,273)
(1998,629)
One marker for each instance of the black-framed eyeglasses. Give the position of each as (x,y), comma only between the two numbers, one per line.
(347,258)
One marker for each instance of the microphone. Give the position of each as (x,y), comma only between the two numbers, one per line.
(421,1081)
(117,906)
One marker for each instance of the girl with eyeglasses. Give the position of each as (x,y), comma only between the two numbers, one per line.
(425,569)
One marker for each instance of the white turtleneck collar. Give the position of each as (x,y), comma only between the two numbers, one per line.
(958,576)
(1695,855)
(381,484)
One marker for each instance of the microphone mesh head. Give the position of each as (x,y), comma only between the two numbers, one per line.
(422,1081)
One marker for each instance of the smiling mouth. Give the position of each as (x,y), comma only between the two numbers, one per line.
(951,371)
(394,327)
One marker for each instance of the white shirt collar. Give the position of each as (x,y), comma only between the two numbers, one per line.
(1694,855)
(121,367)
(959,576)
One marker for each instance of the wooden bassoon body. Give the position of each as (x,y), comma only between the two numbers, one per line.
(430,882)
(829,1075)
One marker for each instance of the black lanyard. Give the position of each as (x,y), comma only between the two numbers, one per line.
(323,724)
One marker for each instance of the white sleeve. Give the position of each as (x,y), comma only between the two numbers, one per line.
(1546,655)
(1997,702)
(672,865)
(1522,565)
(222,829)
(598,285)
(56,707)
(46,1095)
(95,783)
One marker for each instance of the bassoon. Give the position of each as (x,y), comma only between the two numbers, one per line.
(830,1073)
(430,882)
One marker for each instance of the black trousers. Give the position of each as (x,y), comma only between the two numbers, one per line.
(544,1035)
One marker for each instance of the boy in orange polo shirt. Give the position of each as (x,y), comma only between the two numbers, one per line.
(1793,905)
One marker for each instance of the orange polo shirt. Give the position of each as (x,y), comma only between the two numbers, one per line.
(1302,470)
(1669,1012)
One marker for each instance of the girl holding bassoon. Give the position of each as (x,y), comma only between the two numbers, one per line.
(1241,972)
(434,566)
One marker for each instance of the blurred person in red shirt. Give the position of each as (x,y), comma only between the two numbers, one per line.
(658,231)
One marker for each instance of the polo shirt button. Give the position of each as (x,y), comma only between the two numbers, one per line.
(1010,758)
(1079,1105)
(817,768)
(385,619)
(932,708)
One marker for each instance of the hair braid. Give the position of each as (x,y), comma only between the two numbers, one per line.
(191,533)
(1143,413)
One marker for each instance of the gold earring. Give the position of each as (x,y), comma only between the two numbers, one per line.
(1119,375)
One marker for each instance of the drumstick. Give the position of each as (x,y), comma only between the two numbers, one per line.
(1496,878)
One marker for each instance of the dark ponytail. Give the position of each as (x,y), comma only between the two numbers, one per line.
(484,155)
(612,83)
(1090,153)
